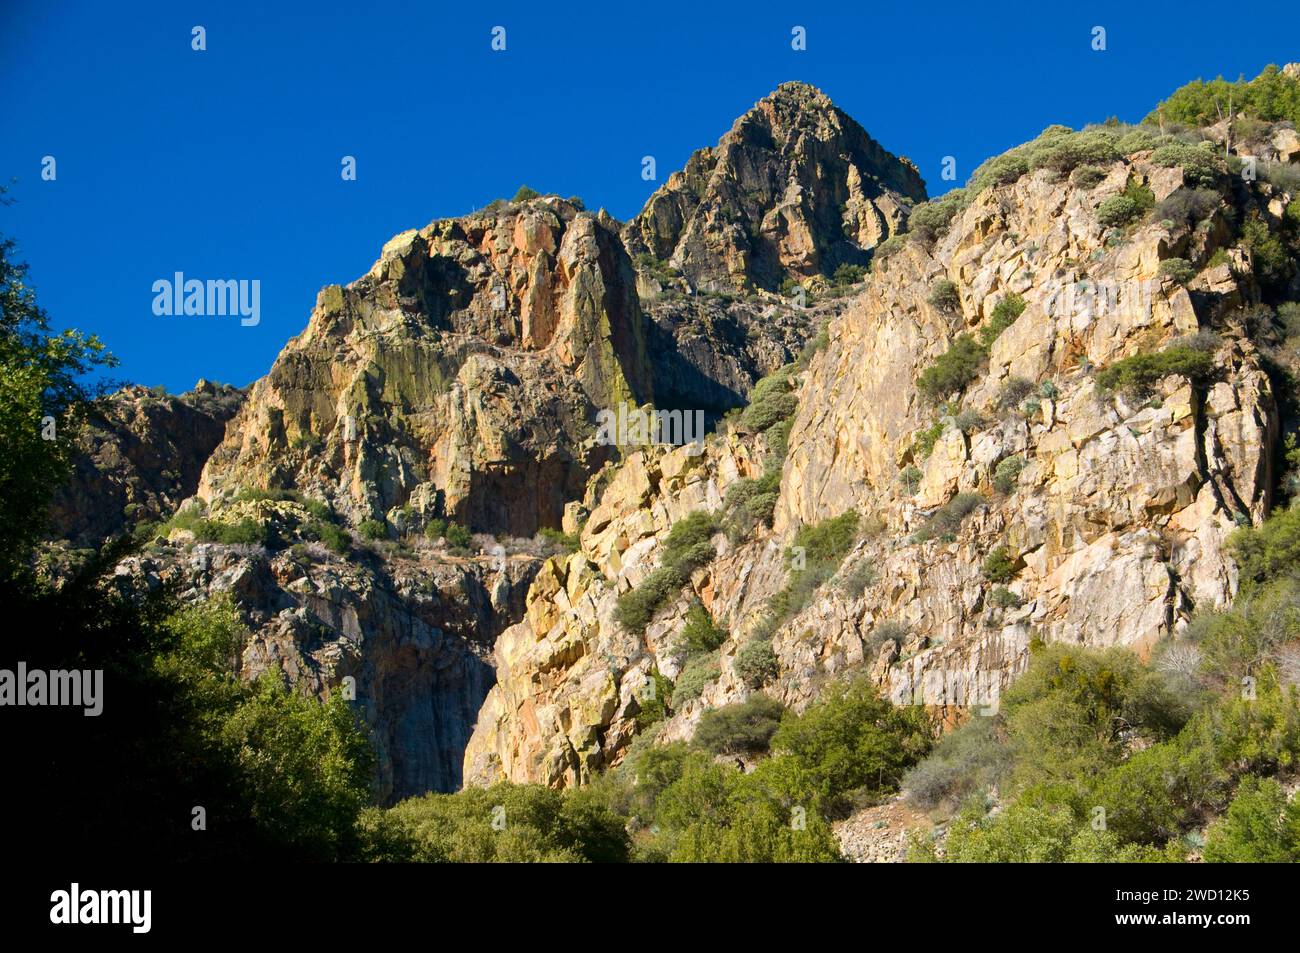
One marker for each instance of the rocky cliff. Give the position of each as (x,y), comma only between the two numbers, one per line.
(1033,497)
(141,455)
(460,379)
(795,188)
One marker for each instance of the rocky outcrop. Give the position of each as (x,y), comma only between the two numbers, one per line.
(1113,510)
(459,376)
(410,635)
(140,455)
(795,188)
(1118,517)
(570,680)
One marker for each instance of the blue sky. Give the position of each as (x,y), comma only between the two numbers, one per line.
(226,163)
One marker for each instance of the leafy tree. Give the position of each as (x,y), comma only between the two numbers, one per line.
(1260,827)
(511,823)
(853,739)
(1271,96)
(42,406)
(746,726)
(756,662)
(304,766)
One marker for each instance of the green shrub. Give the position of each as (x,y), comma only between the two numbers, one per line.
(564,542)
(700,632)
(752,500)
(1003,598)
(436,528)
(1063,154)
(1005,312)
(660,271)
(1087,176)
(746,727)
(828,542)
(1269,256)
(791,599)
(458,537)
(373,529)
(949,517)
(1179,269)
(1074,711)
(698,672)
(965,762)
(756,663)
(999,566)
(245,531)
(687,545)
(1260,827)
(771,401)
(1007,474)
(890,246)
(1000,170)
(953,370)
(852,740)
(847,274)
(511,823)
(1138,374)
(1202,167)
(910,478)
(1030,833)
(1270,551)
(331,535)
(944,295)
(716,814)
(1012,392)
(1116,210)
(1134,202)
(637,606)
(926,438)
(526,194)
(931,219)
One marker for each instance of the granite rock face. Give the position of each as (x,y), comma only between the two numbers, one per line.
(1113,510)
(459,377)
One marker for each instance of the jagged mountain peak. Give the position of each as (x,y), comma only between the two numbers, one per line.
(794,189)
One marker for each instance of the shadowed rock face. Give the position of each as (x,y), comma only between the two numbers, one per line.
(140,456)
(796,188)
(414,633)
